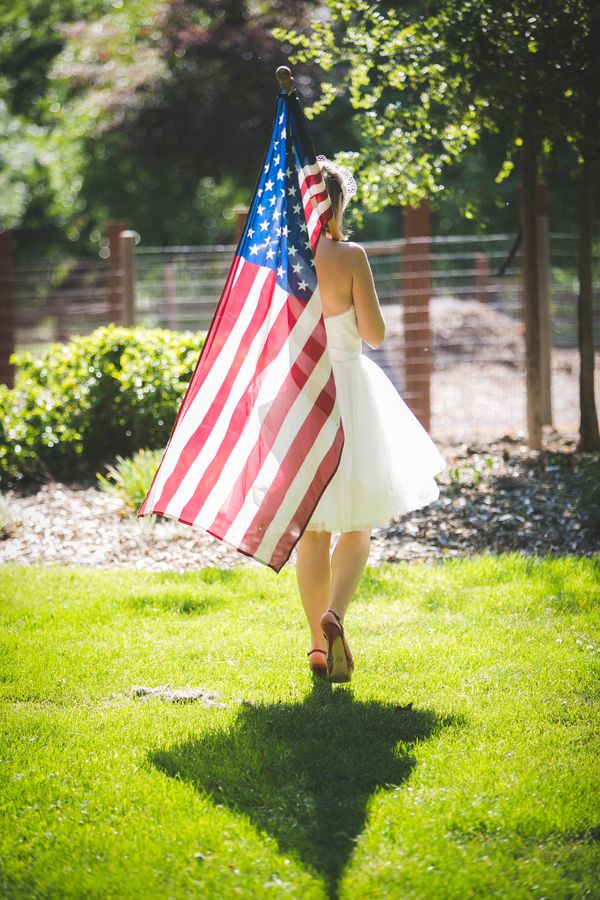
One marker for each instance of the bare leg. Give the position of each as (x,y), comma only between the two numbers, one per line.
(313,572)
(348,562)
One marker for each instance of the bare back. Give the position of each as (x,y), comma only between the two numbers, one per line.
(345,278)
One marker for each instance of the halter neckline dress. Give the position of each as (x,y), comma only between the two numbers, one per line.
(388,461)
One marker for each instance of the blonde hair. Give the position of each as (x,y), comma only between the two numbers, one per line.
(340,186)
(336,195)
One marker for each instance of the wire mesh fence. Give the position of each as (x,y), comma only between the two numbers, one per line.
(474,341)
(179,287)
(56,299)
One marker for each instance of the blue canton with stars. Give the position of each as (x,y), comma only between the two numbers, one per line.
(276,235)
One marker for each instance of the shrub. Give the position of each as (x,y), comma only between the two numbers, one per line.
(130,478)
(80,404)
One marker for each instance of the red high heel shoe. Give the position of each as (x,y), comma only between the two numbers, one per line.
(340,664)
(318,668)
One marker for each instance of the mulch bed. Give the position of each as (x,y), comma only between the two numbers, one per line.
(502,497)
(496,496)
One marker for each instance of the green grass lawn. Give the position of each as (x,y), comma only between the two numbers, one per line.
(487,787)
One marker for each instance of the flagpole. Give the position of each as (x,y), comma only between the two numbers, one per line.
(287,84)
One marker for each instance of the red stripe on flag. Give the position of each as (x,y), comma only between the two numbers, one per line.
(213,340)
(278,335)
(289,467)
(325,472)
(295,381)
(195,442)
(307,181)
(232,305)
(315,199)
(310,178)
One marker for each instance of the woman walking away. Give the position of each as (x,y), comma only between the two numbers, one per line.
(388,462)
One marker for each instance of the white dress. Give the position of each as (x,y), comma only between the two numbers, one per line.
(388,461)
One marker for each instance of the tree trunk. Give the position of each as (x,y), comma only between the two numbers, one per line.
(589,437)
(543,263)
(531,275)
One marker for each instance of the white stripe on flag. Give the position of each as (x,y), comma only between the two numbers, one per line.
(313,221)
(275,376)
(312,210)
(240,266)
(308,198)
(187,486)
(323,206)
(299,411)
(297,489)
(209,389)
(311,169)
(305,173)
(318,187)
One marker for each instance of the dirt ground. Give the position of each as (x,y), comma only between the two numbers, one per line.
(495,496)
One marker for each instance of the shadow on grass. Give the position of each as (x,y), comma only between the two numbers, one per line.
(305,772)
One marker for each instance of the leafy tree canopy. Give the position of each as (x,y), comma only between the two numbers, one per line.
(429,82)
(152,111)
(157,112)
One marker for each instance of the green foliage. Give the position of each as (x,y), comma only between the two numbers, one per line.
(19,160)
(393,66)
(40,161)
(30,38)
(130,478)
(429,80)
(154,112)
(110,392)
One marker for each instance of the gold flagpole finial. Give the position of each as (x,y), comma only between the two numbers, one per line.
(285,79)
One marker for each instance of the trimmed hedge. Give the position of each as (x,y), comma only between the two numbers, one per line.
(81,404)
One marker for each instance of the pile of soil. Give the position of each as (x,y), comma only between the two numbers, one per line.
(462,330)
(478,384)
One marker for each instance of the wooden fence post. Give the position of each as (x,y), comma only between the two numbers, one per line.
(241,214)
(416,288)
(7,308)
(543,251)
(115,272)
(61,320)
(539,332)
(127,250)
(530,286)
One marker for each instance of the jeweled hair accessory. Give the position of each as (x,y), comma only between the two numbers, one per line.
(344,177)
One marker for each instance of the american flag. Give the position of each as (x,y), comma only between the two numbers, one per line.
(258,435)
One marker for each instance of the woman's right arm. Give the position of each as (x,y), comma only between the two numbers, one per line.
(371,324)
